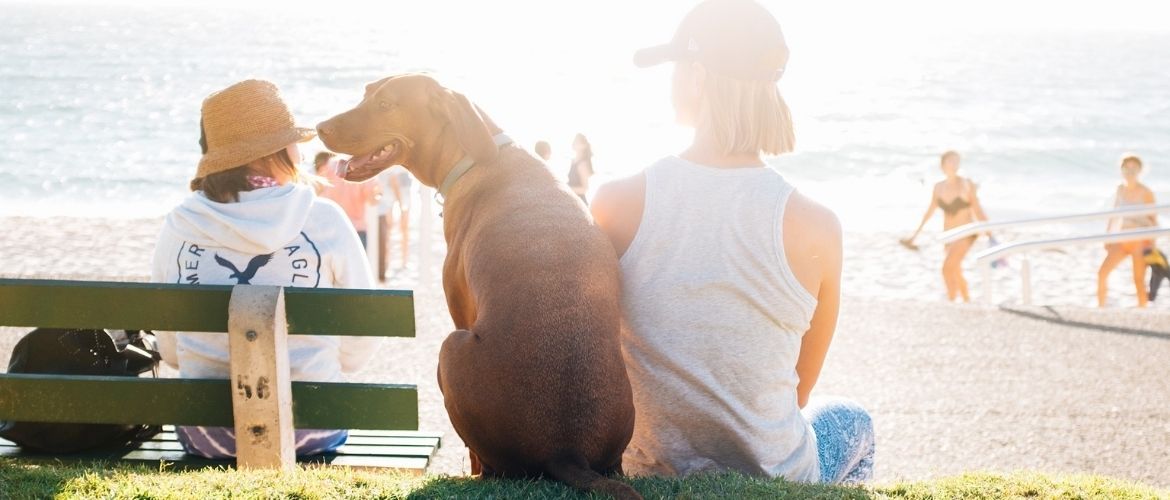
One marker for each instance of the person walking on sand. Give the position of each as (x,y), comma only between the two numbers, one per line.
(396,185)
(353,197)
(581,169)
(730,277)
(252,219)
(1130,192)
(957,198)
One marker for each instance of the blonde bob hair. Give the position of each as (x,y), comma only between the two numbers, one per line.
(747,117)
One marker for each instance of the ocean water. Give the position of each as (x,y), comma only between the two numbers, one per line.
(99,104)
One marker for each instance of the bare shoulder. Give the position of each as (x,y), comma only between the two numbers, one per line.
(813,221)
(617,208)
(812,242)
(623,191)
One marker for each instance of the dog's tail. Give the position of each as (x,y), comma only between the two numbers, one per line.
(574,471)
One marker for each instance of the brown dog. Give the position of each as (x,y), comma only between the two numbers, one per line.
(533,379)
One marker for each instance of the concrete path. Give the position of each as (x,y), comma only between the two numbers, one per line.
(962,388)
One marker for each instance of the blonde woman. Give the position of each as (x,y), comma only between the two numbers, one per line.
(957,198)
(1130,192)
(731,278)
(250,220)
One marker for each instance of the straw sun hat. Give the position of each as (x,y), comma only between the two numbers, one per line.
(245,122)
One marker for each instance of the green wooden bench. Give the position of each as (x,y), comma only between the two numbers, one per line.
(384,416)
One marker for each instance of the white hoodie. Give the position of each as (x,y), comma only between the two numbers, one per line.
(284,236)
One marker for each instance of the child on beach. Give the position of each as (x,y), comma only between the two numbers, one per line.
(731,278)
(1129,192)
(251,221)
(957,198)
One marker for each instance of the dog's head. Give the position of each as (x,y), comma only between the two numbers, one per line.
(408,120)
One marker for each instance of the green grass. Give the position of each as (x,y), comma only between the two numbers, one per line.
(94,480)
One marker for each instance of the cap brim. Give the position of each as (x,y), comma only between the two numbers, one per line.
(653,56)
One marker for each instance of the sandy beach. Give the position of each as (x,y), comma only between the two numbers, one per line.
(952,388)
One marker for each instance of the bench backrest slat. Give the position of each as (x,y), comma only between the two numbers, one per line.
(128,400)
(198,308)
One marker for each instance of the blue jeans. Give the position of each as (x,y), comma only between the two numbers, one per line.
(220,442)
(845,439)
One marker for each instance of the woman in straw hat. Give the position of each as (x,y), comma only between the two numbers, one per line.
(730,278)
(251,220)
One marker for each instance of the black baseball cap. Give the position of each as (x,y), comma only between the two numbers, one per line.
(739,39)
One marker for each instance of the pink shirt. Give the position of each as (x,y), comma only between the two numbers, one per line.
(353,197)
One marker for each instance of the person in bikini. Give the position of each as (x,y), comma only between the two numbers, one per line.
(1130,192)
(957,198)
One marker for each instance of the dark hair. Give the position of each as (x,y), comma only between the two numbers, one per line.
(321,158)
(202,137)
(588,147)
(1130,157)
(226,186)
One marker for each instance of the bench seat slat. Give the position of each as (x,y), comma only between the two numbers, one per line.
(165,446)
(355,437)
(402,463)
(348,450)
(180,460)
(390,441)
(198,308)
(127,400)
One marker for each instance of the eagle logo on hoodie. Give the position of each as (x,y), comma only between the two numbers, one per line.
(296,264)
(243,278)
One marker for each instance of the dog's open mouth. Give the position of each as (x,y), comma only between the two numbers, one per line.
(362,167)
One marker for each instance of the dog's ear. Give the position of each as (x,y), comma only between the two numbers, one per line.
(471,129)
(373,87)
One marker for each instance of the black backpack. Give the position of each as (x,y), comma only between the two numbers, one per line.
(80,352)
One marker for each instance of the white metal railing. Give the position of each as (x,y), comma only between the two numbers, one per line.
(985,258)
(979,227)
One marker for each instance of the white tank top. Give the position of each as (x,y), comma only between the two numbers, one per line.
(714,321)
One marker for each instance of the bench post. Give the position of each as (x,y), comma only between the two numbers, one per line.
(260,378)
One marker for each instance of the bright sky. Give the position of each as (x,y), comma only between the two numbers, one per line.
(856,15)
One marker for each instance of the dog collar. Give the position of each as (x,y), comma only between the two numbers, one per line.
(462,166)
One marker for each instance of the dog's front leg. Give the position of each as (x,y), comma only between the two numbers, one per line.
(460,302)
(476,466)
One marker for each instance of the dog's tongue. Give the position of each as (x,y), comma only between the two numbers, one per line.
(362,167)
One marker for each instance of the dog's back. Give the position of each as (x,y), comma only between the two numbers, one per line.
(533,380)
(539,381)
